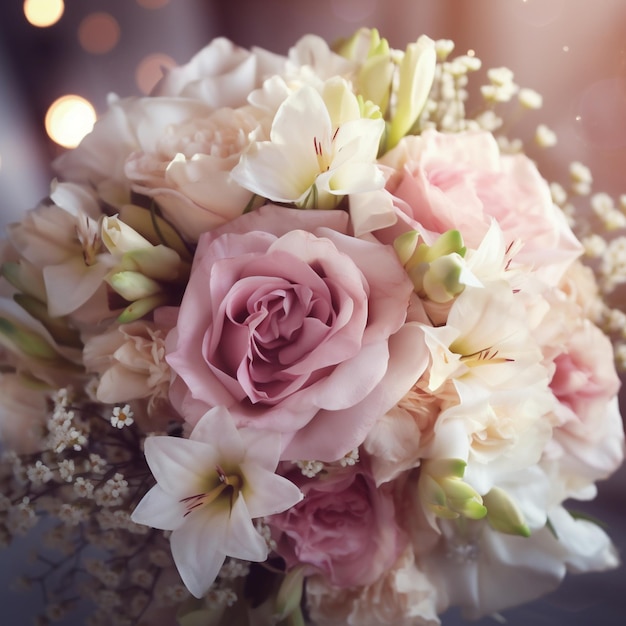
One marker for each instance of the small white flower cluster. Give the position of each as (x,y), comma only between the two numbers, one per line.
(611,216)
(350,459)
(501,87)
(122,416)
(71,483)
(234,568)
(310,469)
(445,107)
(66,431)
(265,532)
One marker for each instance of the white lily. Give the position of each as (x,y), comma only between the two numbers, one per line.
(320,150)
(209,489)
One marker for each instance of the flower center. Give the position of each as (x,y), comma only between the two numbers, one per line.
(88,235)
(229,485)
(481,357)
(324,159)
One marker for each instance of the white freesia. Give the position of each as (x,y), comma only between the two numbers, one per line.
(63,241)
(320,150)
(484,571)
(486,341)
(209,489)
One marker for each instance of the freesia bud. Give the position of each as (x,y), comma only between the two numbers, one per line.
(157,262)
(119,238)
(58,327)
(446,278)
(154,228)
(377,72)
(133,285)
(290,593)
(503,514)
(438,272)
(417,72)
(445,494)
(142,307)
(28,343)
(25,277)
(405,246)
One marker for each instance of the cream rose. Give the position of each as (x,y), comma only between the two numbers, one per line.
(187,170)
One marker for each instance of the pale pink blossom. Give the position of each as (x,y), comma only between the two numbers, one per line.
(345,528)
(403,596)
(590,432)
(444,181)
(130,362)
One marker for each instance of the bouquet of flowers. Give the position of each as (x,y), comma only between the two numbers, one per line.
(298,340)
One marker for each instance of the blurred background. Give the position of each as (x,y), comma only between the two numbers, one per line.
(59,61)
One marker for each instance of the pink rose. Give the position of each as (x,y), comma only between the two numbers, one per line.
(344,527)
(461,181)
(586,384)
(287,321)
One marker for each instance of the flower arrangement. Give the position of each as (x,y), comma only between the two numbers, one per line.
(297,339)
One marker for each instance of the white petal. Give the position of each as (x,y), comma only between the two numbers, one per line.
(196,548)
(371,210)
(159,510)
(242,541)
(217,428)
(69,285)
(179,465)
(267,493)
(262,448)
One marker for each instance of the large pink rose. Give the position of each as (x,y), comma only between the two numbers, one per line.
(288,321)
(461,181)
(344,527)
(585,382)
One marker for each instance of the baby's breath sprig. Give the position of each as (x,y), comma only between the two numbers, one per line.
(81,488)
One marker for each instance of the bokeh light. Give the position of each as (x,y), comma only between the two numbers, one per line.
(43,13)
(69,119)
(150,70)
(152,4)
(99,33)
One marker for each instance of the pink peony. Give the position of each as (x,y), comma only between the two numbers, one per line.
(344,527)
(461,181)
(287,321)
(586,384)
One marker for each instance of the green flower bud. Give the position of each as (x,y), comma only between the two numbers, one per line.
(58,327)
(157,262)
(290,593)
(133,285)
(503,514)
(25,278)
(28,343)
(417,72)
(443,491)
(142,307)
